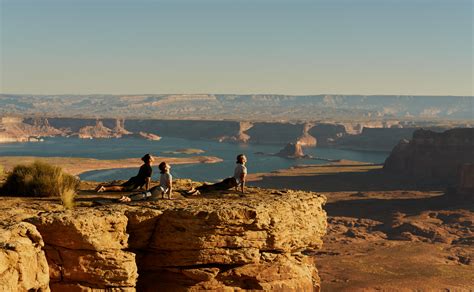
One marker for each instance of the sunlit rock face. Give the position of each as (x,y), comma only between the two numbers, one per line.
(262,240)
(23,265)
(291,150)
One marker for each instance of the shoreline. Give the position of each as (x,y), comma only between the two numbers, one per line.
(79,165)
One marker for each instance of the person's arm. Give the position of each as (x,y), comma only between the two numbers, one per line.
(242,182)
(147,183)
(170,185)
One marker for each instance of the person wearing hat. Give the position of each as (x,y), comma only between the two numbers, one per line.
(142,179)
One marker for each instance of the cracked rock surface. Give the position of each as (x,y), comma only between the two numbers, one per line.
(219,242)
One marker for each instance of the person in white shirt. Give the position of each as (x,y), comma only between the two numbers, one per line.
(165,187)
(240,173)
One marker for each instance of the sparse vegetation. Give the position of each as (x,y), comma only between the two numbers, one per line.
(40,179)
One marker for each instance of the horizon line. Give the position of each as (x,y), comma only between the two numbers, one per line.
(277,94)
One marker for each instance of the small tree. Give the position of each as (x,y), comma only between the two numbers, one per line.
(39,179)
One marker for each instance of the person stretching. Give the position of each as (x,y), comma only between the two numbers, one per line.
(143,178)
(165,187)
(240,173)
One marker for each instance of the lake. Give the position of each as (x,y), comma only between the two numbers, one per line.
(135,147)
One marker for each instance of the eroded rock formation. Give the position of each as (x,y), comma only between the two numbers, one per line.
(96,131)
(377,135)
(261,241)
(119,128)
(16,130)
(306,139)
(291,150)
(431,155)
(241,136)
(23,265)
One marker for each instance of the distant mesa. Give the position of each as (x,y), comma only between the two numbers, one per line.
(433,156)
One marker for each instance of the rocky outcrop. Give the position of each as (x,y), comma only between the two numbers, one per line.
(200,244)
(23,265)
(357,127)
(29,130)
(119,128)
(430,155)
(241,136)
(87,248)
(96,131)
(291,150)
(327,133)
(306,139)
(275,133)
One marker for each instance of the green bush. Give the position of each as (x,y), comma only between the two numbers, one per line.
(39,180)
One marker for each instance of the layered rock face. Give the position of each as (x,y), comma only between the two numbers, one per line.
(23,265)
(15,130)
(260,241)
(86,248)
(241,136)
(431,155)
(306,139)
(376,135)
(96,131)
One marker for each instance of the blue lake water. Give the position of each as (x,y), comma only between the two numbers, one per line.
(134,147)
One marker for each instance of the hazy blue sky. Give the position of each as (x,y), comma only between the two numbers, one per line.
(237,46)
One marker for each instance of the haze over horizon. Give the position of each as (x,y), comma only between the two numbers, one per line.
(298,47)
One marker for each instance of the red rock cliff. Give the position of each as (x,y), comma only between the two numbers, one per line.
(431,155)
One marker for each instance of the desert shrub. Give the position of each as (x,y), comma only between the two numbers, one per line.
(39,180)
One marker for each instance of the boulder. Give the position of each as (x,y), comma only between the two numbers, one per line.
(23,265)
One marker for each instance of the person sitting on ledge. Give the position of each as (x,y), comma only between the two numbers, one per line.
(165,187)
(237,180)
(143,178)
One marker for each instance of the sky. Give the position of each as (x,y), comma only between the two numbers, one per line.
(402,47)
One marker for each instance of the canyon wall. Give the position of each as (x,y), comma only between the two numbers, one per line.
(308,134)
(260,242)
(432,155)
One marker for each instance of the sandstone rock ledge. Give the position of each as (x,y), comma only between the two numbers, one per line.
(222,243)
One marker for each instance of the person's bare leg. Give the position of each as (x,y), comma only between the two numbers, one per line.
(113,188)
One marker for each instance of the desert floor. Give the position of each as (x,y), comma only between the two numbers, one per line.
(386,232)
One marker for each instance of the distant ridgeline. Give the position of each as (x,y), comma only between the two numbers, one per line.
(370,135)
(241,107)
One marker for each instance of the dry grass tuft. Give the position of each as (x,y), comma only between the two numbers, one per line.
(39,179)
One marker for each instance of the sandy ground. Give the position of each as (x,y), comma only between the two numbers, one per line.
(75,166)
(386,233)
